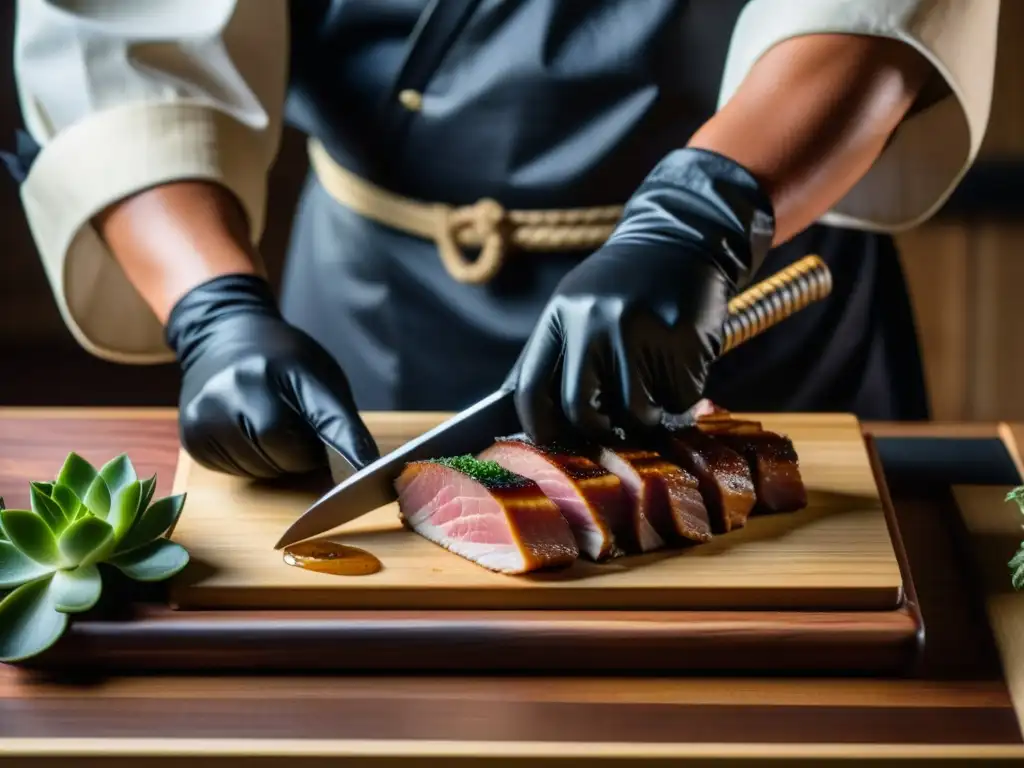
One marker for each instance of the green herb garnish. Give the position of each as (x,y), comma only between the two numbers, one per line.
(49,554)
(484,472)
(1016,563)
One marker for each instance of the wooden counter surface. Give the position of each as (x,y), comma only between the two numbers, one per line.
(961,707)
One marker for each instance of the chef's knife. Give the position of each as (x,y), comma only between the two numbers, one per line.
(470,431)
(341,468)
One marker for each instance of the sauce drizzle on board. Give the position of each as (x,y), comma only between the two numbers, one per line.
(330,557)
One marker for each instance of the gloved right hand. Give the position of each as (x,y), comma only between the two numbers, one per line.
(629,334)
(259,397)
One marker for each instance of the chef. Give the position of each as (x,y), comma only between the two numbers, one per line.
(556,196)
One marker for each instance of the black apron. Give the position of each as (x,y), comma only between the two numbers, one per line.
(541,104)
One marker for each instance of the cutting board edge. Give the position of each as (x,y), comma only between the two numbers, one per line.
(815,599)
(679,643)
(910,599)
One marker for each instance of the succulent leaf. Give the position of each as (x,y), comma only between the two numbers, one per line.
(87,540)
(156,561)
(76,590)
(29,622)
(153,523)
(16,567)
(67,501)
(1018,559)
(30,534)
(1016,565)
(1018,579)
(123,508)
(76,474)
(146,496)
(49,555)
(117,473)
(46,507)
(97,498)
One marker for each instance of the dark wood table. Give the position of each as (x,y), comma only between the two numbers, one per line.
(958,705)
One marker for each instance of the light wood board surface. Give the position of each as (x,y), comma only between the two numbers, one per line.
(835,554)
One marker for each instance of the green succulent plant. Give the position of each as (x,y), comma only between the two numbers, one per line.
(49,554)
(1016,563)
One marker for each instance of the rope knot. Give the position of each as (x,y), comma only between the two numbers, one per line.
(480,221)
(482,225)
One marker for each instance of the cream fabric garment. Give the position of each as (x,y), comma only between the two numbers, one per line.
(124,95)
(933,148)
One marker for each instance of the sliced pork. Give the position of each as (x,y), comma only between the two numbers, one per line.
(724,478)
(774,467)
(771,457)
(667,508)
(590,497)
(486,514)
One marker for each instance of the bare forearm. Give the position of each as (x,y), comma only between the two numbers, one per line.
(171,238)
(812,116)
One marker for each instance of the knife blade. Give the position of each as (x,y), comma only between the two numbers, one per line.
(470,431)
(341,468)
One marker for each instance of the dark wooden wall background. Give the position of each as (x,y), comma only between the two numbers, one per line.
(965,269)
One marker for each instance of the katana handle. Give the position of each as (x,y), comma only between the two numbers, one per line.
(771,301)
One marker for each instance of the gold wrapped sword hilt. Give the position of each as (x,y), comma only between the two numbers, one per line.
(771,301)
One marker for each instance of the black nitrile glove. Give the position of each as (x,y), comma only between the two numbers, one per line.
(631,332)
(259,397)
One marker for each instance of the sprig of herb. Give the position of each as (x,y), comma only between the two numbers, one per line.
(50,553)
(1016,563)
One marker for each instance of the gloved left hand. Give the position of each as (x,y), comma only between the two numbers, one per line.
(259,397)
(631,332)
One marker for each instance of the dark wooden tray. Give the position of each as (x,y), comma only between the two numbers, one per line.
(155,638)
(958,708)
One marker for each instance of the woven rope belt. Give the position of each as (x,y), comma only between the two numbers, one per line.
(484,225)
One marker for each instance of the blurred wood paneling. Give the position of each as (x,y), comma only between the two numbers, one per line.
(935,263)
(963,280)
(965,286)
(965,277)
(1005,135)
(998,322)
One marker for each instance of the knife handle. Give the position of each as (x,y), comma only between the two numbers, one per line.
(772,300)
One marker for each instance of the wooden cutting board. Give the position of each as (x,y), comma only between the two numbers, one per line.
(836,554)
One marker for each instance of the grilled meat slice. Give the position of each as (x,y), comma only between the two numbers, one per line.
(771,457)
(775,469)
(724,478)
(484,513)
(590,497)
(667,508)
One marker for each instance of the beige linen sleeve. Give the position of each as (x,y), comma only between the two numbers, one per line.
(123,95)
(935,145)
